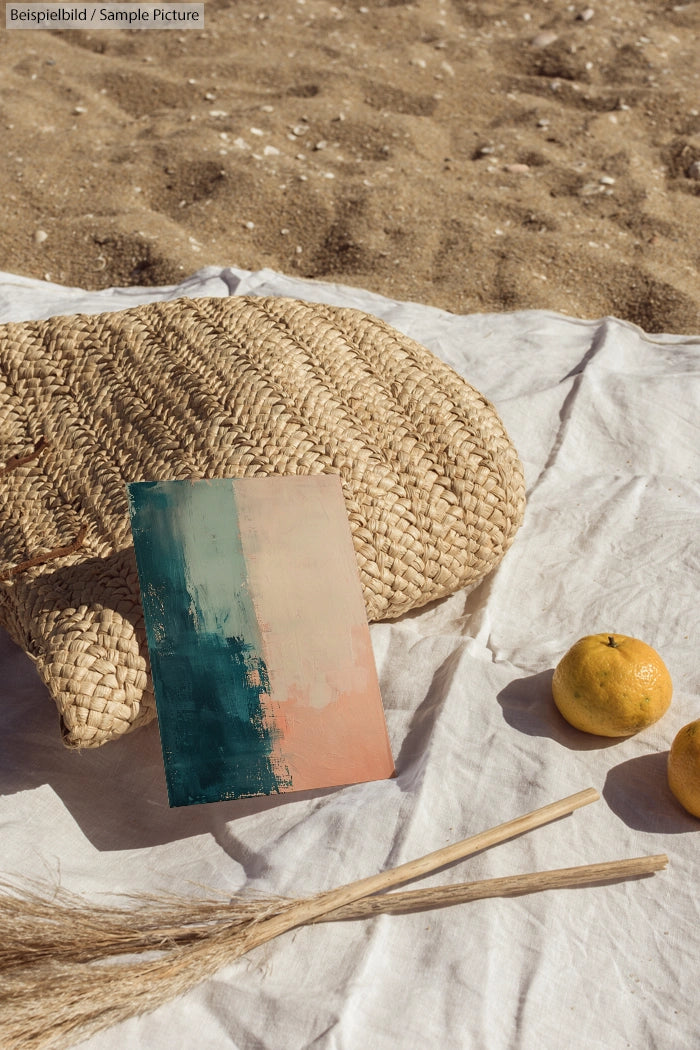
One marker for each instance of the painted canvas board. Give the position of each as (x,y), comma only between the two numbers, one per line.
(260,651)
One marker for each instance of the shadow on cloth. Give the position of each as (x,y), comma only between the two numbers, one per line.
(413,755)
(528,707)
(116,793)
(637,792)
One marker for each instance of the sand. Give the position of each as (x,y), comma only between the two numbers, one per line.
(474,156)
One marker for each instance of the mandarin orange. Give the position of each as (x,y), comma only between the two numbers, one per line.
(684,767)
(611,685)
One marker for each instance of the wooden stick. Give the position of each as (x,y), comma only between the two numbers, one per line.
(508,886)
(307,910)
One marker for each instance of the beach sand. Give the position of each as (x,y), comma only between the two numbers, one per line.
(473,156)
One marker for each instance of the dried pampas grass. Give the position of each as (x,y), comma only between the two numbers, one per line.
(71,968)
(59,988)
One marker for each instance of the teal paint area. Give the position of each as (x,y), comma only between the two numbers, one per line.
(209,673)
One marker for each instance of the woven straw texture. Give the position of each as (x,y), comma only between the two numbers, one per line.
(225,388)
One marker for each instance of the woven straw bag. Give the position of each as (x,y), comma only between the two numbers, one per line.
(225,388)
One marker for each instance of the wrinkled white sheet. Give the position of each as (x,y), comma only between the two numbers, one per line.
(605,419)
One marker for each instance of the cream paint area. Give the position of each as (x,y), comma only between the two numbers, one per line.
(306,590)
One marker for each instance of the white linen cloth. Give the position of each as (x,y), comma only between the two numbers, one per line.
(605,419)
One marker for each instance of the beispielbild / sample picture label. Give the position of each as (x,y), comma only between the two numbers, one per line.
(104,16)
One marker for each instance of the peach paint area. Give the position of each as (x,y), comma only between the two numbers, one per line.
(302,576)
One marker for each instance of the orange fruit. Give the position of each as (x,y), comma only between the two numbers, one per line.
(684,767)
(611,685)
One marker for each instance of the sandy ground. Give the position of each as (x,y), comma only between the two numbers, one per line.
(477,156)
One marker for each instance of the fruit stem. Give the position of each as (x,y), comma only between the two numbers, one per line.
(611,642)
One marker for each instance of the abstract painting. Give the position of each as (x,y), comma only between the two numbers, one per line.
(260,651)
